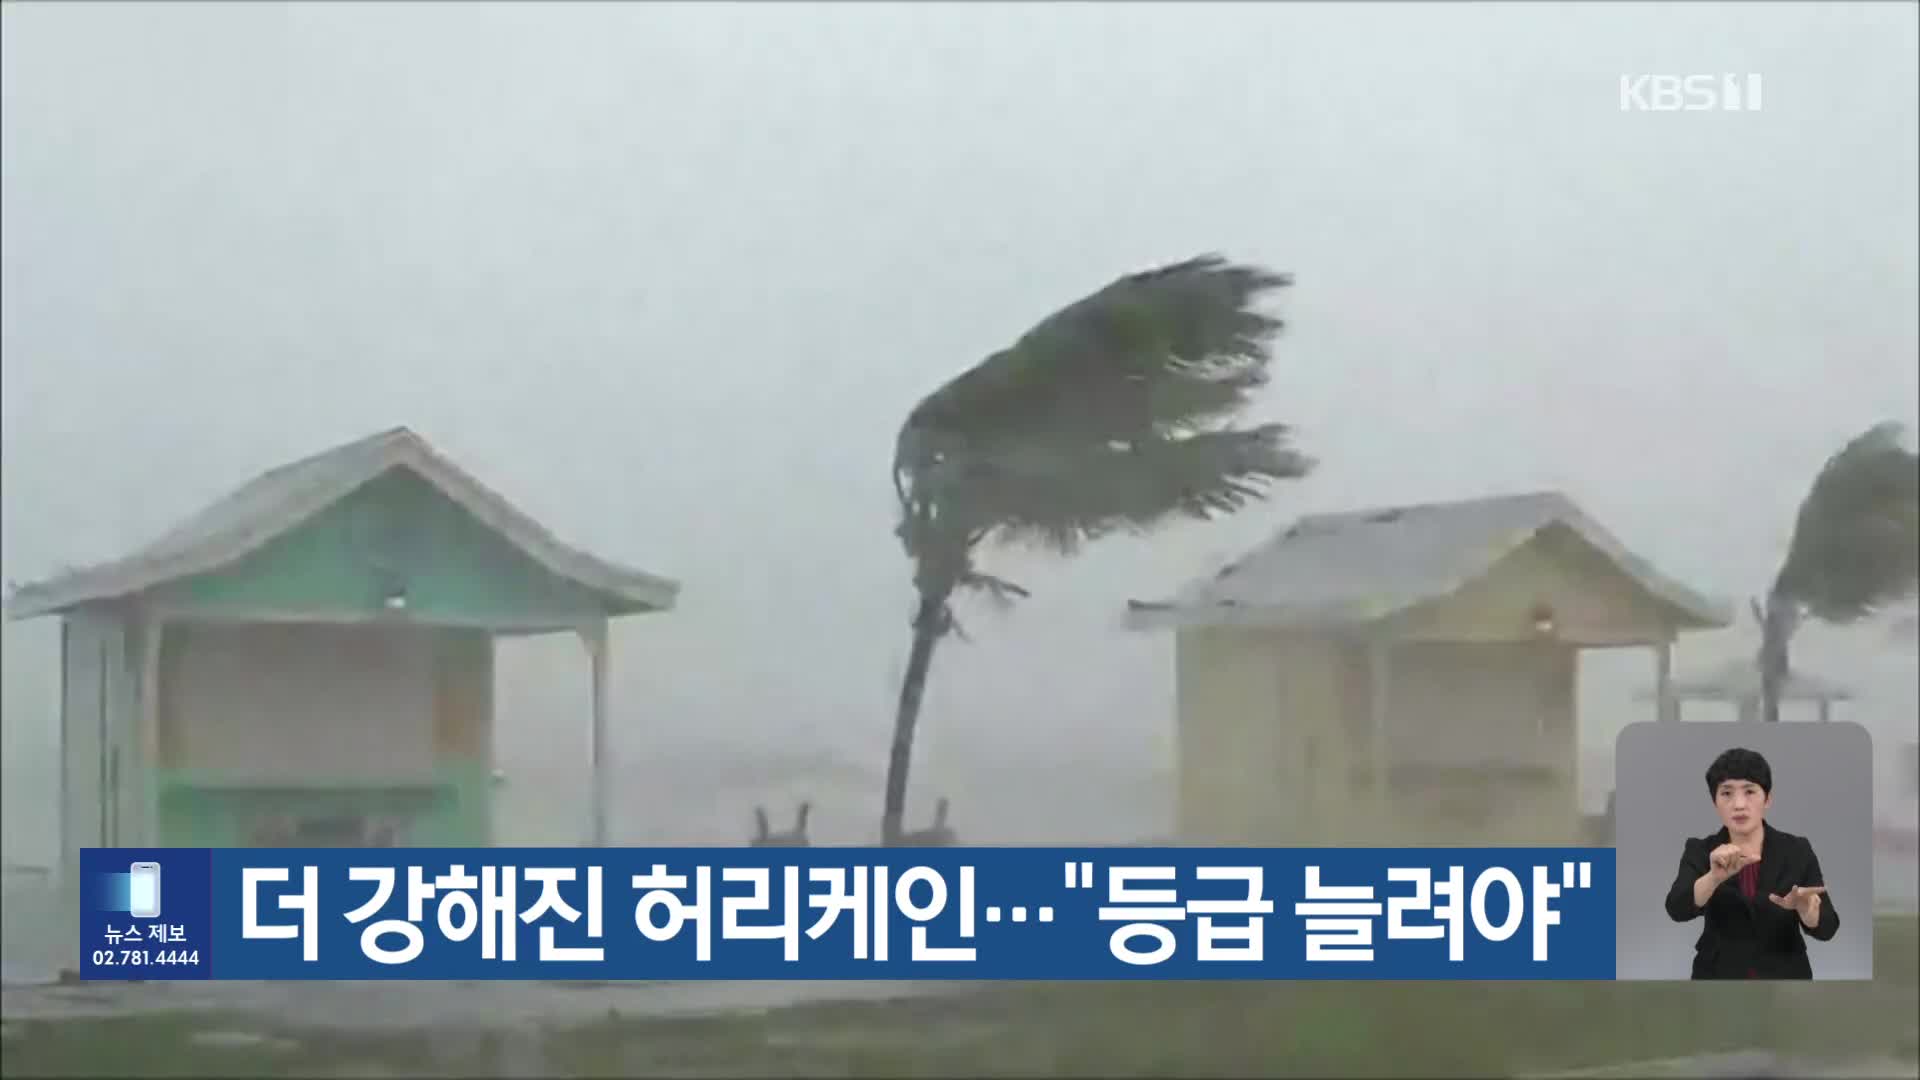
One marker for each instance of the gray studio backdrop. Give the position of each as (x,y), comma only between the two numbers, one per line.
(1822,790)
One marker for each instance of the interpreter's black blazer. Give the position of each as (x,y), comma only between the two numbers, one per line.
(1745,939)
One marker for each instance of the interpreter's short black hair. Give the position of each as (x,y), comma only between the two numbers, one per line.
(1739,764)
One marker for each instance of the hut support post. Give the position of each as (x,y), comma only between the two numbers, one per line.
(1379,685)
(595,637)
(152,626)
(1666,708)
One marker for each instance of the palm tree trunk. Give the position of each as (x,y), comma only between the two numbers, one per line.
(927,627)
(1776,631)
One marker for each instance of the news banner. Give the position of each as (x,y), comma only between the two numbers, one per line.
(847,913)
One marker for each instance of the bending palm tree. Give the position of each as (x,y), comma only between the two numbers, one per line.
(1104,417)
(1853,551)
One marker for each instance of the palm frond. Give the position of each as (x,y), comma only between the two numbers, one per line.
(1062,501)
(1001,591)
(1856,541)
(1153,351)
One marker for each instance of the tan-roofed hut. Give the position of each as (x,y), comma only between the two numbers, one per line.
(1405,674)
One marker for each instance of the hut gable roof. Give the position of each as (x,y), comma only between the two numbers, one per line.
(1360,566)
(280,500)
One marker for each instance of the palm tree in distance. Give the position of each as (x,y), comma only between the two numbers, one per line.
(1110,415)
(1853,553)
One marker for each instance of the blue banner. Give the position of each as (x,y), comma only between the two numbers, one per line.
(847,913)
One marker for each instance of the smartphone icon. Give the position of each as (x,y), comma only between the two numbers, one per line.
(143,892)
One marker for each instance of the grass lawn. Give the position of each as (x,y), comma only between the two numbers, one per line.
(1110,1029)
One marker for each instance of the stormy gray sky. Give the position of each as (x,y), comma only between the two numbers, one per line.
(669,277)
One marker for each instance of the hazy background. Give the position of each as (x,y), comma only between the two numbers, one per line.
(669,277)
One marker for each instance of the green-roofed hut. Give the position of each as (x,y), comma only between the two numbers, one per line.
(309,661)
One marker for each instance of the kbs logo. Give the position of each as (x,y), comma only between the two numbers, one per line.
(1689,93)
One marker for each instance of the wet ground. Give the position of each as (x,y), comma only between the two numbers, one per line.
(451,1006)
(1034,1030)
(1747,1065)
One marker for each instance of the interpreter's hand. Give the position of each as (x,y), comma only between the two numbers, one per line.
(1727,859)
(1802,900)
